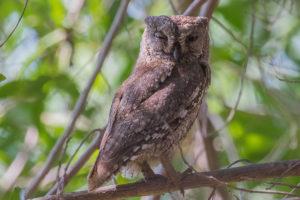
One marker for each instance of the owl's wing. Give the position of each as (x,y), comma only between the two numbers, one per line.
(125,117)
(106,165)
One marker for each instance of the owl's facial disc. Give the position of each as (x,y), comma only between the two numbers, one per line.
(175,36)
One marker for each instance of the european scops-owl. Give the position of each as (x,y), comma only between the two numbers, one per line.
(155,107)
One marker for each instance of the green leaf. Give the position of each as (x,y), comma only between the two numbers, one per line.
(16,194)
(2,77)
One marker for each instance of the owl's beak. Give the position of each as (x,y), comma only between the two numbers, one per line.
(176,52)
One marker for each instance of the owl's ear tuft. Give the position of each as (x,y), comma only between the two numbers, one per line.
(203,21)
(149,20)
(154,21)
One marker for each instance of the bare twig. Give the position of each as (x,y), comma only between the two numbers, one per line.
(283,184)
(159,185)
(61,180)
(282,175)
(279,149)
(79,163)
(249,52)
(194,6)
(278,15)
(282,79)
(82,142)
(82,99)
(17,24)
(263,191)
(227,30)
(287,80)
(212,194)
(184,160)
(293,190)
(240,160)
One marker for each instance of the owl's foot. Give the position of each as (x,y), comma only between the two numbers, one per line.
(148,172)
(172,175)
(187,172)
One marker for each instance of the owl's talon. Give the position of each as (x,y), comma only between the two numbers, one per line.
(178,185)
(173,176)
(181,189)
(155,176)
(186,172)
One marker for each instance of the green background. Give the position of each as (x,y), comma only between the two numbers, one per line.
(48,60)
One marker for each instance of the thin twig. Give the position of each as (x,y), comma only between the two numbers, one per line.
(58,179)
(184,160)
(279,78)
(287,80)
(283,184)
(240,160)
(236,197)
(278,15)
(249,52)
(80,162)
(17,24)
(282,175)
(212,194)
(263,191)
(279,150)
(227,30)
(80,145)
(293,190)
(82,99)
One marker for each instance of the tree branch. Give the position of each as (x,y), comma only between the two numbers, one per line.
(81,101)
(216,178)
(209,8)
(80,162)
(194,6)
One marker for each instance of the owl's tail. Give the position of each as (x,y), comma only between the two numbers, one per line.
(100,174)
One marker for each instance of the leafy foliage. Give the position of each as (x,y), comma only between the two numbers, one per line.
(48,60)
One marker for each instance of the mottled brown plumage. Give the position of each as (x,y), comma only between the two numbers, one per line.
(155,107)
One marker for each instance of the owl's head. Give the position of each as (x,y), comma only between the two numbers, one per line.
(176,37)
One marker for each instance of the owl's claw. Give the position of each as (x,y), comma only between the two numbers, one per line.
(155,176)
(186,172)
(173,176)
(147,171)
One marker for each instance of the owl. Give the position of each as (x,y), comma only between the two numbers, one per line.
(156,106)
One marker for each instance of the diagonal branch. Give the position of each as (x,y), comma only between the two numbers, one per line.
(80,162)
(17,24)
(194,6)
(216,178)
(249,53)
(81,101)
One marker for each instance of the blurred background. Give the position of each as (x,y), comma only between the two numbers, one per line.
(52,54)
